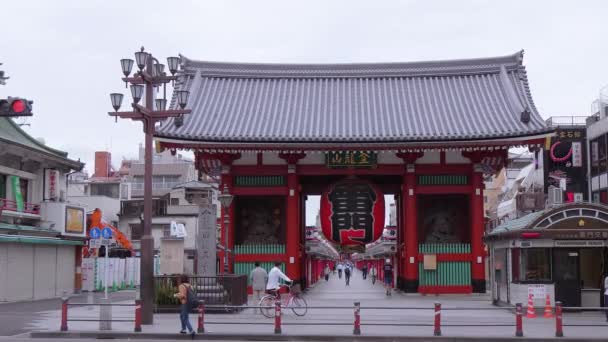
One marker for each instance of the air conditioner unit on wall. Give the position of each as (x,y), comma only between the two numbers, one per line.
(125,191)
(556,196)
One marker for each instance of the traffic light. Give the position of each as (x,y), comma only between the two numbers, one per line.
(14,106)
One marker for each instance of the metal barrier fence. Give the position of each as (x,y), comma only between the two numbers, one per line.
(65,319)
(230,290)
(357,322)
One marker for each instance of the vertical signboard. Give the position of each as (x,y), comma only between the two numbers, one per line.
(16,187)
(206,241)
(564,162)
(51,184)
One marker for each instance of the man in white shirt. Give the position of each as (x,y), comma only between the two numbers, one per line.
(274,276)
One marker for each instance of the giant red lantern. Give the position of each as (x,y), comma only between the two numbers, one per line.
(352,212)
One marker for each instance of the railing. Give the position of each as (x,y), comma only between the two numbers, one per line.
(168,185)
(359,320)
(435,321)
(259,249)
(29,208)
(556,121)
(224,290)
(105,316)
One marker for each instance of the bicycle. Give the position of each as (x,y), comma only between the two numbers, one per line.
(292,300)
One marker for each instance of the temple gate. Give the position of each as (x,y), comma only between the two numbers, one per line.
(424,132)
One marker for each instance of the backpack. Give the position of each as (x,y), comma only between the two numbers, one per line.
(191,299)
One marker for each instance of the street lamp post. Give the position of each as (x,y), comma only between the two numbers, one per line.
(150,75)
(225,199)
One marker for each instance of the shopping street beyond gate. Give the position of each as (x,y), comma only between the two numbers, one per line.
(331,315)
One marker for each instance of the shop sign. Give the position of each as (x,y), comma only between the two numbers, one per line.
(583,235)
(430,262)
(570,134)
(52,177)
(355,159)
(580,243)
(577,154)
(537,290)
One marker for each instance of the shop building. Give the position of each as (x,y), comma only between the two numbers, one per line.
(560,251)
(41,234)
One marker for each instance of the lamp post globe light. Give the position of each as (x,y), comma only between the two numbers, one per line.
(151,74)
(225,199)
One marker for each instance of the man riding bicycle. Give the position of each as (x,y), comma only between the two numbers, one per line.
(275,274)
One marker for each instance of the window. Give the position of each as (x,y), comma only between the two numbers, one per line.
(23,184)
(109,190)
(136,231)
(174,201)
(535,264)
(2,186)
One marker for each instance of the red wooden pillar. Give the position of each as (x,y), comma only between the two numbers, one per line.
(478,276)
(410,230)
(227,179)
(293,227)
(294,266)
(226,159)
(409,221)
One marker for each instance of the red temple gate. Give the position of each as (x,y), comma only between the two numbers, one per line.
(425,132)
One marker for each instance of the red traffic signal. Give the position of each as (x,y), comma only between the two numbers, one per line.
(14,106)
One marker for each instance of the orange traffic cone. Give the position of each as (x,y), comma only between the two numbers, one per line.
(548,310)
(531,313)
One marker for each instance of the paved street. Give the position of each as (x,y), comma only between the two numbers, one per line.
(478,317)
(18,318)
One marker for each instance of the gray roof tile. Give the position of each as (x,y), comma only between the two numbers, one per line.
(391,102)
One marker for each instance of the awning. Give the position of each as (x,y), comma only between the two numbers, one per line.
(39,240)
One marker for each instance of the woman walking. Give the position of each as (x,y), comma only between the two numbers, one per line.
(326,272)
(182,295)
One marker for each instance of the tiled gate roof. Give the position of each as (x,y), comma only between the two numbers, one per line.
(361,103)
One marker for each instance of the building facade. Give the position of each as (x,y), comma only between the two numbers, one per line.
(41,234)
(597,135)
(184,204)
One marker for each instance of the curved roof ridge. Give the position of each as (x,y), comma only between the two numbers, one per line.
(386,69)
(30,141)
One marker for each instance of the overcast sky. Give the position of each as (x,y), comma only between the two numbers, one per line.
(65,55)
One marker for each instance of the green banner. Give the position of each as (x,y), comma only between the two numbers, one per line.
(356,159)
(15,182)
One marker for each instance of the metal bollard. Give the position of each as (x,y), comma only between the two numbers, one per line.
(559,328)
(437,331)
(137,315)
(277,317)
(64,313)
(357,329)
(519,311)
(201,317)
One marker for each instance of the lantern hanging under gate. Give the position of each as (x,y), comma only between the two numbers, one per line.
(352,212)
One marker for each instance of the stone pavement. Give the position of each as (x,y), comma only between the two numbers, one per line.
(475,317)
(17,317)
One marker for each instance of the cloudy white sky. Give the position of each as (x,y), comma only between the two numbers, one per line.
(65,55)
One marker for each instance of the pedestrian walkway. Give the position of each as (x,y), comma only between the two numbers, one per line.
(479,318)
